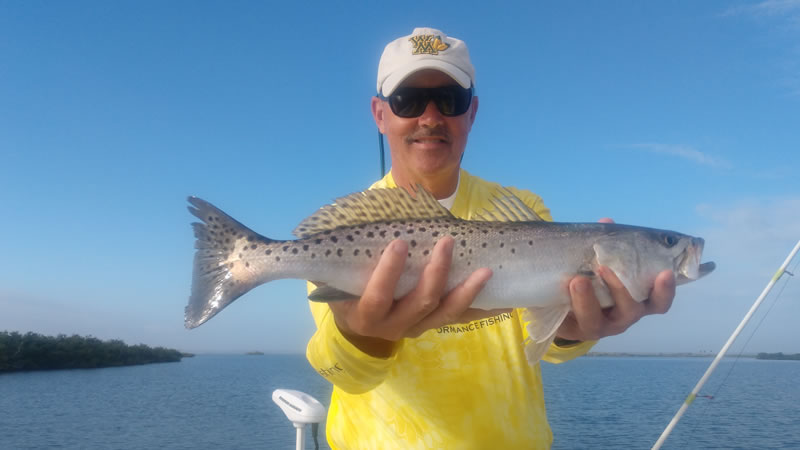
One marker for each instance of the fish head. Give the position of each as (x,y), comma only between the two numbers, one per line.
(637,255)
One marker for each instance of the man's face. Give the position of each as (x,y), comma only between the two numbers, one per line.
(429,146)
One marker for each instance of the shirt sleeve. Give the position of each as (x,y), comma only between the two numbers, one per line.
(338,360)
(556,354)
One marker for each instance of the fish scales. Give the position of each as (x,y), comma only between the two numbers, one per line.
(339,247)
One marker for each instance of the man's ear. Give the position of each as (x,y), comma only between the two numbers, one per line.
(378,110)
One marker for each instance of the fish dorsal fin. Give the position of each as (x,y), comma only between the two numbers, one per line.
(507,208)
(374,205)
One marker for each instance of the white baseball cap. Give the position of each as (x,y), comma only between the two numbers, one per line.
(424,48)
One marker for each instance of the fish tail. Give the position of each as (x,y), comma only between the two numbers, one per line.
(219,277)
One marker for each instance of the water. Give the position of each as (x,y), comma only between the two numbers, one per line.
(225,402)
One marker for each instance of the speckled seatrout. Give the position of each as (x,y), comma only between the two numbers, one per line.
(531,259)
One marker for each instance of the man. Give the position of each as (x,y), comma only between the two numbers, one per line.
(403,376)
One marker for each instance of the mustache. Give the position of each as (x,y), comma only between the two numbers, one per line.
(437,131)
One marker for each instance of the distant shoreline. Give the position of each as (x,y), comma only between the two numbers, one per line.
(35,352)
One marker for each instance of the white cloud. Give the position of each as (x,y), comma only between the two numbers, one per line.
(767,8)
(685,152)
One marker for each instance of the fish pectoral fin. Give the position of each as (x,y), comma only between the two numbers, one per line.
(327,294)
(542,324)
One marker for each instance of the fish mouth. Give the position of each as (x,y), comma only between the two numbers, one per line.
(688,265)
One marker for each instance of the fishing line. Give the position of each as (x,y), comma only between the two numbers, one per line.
(741,352)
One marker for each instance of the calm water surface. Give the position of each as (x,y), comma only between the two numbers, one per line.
(225,402)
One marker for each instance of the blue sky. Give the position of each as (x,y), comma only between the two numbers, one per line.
(682,115)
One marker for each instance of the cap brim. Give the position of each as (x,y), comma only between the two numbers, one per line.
(394,80)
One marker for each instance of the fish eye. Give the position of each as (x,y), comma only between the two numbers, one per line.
(669,240)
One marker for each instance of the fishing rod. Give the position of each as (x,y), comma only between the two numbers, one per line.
(725,348)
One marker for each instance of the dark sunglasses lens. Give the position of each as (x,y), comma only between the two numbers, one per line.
(408,102)
(411,102)
(461,100)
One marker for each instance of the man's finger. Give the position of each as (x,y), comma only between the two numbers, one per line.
(586,308)
(663,293)
(425,297)
(377,299)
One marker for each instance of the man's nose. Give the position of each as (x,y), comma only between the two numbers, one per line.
(431,117)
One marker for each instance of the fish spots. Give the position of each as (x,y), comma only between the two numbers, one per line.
(513,250)
(454,233)
(318,241)
(247,264)
(313,255)
(501,266)
(413,243)
(483,245)
(435,234)
(396,234)
(370,234)
(501,231)
(253,246)
(368,253)
(410,231)
(294,251)
(355,252)
(305,247)
(350,237)
(278,258)
(383,233)
(422,229)
(268,252)
(339,252)
(502,244)
(463,242)
(285,248)
(461,254)
(251,238)
(530,243)
(328,252)
(334,239)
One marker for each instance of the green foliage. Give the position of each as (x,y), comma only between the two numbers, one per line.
(33,351)
(779,355)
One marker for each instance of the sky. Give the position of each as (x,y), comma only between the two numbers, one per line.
(681,115)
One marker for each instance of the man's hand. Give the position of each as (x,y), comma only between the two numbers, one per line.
(375,321)
(589,322)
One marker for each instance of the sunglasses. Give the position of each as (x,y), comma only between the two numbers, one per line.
(409,102)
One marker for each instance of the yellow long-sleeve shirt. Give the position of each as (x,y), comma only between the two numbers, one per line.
(459,386)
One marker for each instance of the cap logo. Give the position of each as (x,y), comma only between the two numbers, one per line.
(427,44)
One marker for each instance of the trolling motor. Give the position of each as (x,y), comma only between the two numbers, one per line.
(301,409)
